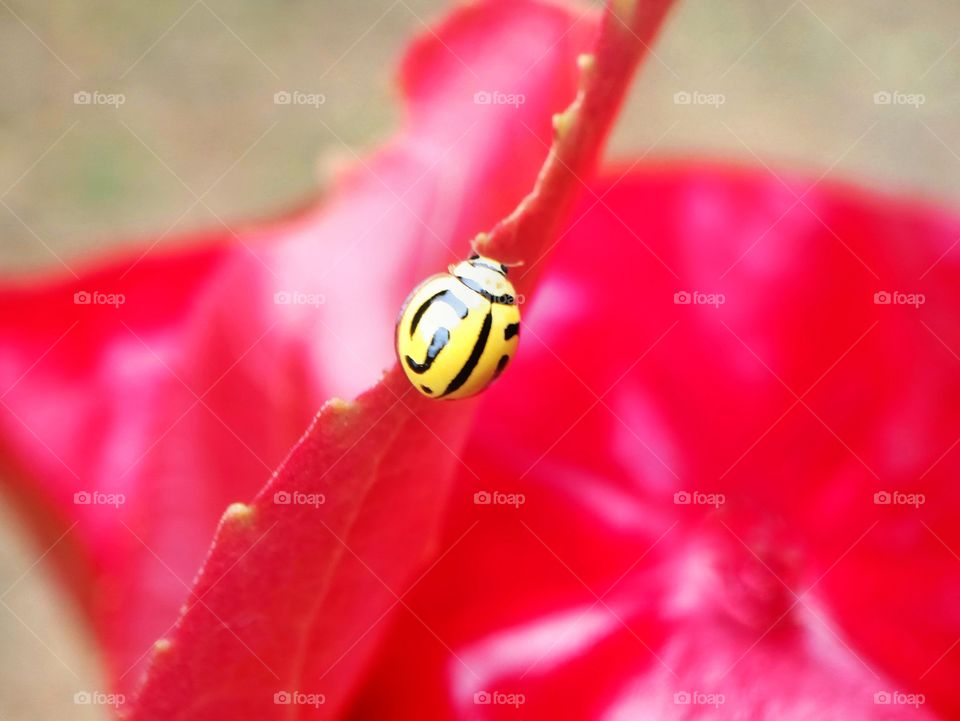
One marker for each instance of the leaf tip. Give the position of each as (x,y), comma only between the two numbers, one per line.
(563,121)
(624,10)
(238,513)
(586,62)
(337,405)
(337,410)
(480,240)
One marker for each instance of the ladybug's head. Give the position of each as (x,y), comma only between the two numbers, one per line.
(486,276)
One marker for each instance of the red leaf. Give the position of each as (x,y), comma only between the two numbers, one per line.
(287,592)
(303,600)
(796,596)
(528,234)
(111,402)
(165,409)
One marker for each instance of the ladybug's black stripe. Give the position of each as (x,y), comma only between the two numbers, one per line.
(501,364)
(475,354)
(444,296)
(440,339)
(511,330)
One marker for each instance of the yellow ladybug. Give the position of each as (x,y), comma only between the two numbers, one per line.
(457,331)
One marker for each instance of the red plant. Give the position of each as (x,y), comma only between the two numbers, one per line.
(714,481)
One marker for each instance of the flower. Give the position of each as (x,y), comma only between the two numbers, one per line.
(741,510)
(715,480)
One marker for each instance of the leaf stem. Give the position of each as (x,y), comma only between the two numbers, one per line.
(527,235)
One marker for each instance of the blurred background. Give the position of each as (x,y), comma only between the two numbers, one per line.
(130,120)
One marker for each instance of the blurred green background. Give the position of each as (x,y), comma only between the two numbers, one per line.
(797,80)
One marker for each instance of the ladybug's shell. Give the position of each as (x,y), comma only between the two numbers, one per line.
(453,341)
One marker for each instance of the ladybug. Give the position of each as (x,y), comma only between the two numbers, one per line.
(457,331)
